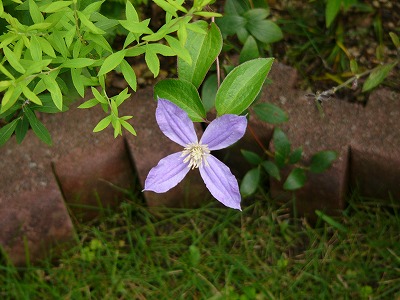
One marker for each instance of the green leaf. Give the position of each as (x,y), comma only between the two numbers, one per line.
(377,76)
(99,96)
(152,61)
(203,49)
(230,24)
(46,47)
(167,7)
(7,130)
(112,62)
(282,147)
(89,103)
(395,39)
(271,169)
(265,31)
(137,27)
(22,129)
(250,182)
(249,50)
(77,81)
(233,7)
(102,124)
(184,94)
(353,66)
(89,25)
(35,49)
(295,180)
(35,13)
(129,74)
(209,91)
(331,10)
(330,221)
(56,6)
(251,157)
(256,14)
(241,86)
(194,255)
(77,63)
(121,97)
(270,113)
(31,96)
(295,156)
(130,12)
(13,60)
(179,50)
(38,128)
(99,40)
(322,160)
(128,127)
(55,91)
(10,97)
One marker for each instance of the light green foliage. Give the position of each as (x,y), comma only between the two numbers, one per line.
(60,48)
(248,21)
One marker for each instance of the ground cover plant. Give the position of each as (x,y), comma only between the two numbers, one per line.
(216,253)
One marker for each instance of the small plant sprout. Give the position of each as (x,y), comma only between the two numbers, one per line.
(220,133)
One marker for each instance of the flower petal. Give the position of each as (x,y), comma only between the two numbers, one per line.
(224,131)
(167,174)
(175,123)
(221,182)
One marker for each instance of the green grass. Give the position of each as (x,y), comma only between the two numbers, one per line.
(218,253)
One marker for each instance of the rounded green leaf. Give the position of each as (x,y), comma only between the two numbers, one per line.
(251,157)
(241,86)
(208,91)
(321,161)
(250,182)
(249,50)
(184,94)
(265,31)
(271,169)
(282,147)
(111,62)
(270,113)
(295,180)
(295,156)
(377,76)
(203,50)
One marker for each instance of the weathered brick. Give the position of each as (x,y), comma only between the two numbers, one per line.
(33,216)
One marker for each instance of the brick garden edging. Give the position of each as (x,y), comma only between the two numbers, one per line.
(88,166)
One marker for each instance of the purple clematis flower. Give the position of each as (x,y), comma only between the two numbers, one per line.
(220,133)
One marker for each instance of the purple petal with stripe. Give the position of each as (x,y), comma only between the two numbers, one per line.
(175,123)
(167,174)
(221,182)
(224,131)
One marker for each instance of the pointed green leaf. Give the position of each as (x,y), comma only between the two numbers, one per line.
(80,62)
(99,96)
(88,24)
(270,113)
(38,128)
(76,80)
(112,62)
(13,60)
(35,49)
(35,13)
(203,49)
(295,180)
(102,124)
(184,94)
(322,160)
(22,129)
(46,47)
(89,103)
(7,130)
(377,76)
(55,91)
(152,62)
(129,74)
(241,86)
(265,31)
(128,127)
(179,50)
(331,10)
(295,156)
(56,6)
(31,96)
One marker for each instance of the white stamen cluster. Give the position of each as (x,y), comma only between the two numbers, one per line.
(196,154)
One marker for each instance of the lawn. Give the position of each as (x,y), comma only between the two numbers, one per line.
(219,253)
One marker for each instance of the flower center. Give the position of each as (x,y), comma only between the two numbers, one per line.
(195,154)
